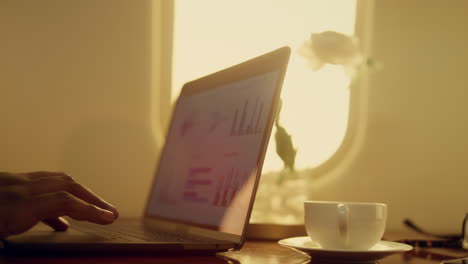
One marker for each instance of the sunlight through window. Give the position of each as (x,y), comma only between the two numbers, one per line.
(211,34)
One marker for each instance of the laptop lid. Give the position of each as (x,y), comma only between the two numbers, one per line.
(211,162)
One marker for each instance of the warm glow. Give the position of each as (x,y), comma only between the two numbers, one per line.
(210,35)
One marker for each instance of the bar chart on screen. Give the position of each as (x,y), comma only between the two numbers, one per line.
(201,182)
(247,122)
(228,186)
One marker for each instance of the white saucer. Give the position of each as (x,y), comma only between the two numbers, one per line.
(382,249)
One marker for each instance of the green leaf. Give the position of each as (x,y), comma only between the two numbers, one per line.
(284,147)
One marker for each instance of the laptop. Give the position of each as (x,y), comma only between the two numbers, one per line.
(207,175)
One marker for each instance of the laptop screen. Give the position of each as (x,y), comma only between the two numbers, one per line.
(207,170)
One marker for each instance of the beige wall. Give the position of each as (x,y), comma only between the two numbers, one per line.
(76,82)
(412,150)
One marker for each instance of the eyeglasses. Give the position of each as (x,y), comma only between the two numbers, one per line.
(444,241)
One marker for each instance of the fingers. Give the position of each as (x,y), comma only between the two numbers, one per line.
(58,224)
(11,178)
(12,193)
(41,184)
(26,198)
(54,205)
(42,174)
(7,178)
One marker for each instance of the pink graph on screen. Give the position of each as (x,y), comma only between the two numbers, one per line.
(200,182)
(197,179)
(228,186)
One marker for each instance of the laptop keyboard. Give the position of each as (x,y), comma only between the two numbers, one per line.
(135,231)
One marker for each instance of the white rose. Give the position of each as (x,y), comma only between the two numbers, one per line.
(333,48)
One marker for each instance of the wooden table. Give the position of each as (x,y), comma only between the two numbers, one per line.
(253,252)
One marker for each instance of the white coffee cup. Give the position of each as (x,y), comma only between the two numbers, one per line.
(345,225)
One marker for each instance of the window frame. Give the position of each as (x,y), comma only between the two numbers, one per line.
(358,97)
(358,100)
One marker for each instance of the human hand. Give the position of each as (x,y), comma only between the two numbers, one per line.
(27,198)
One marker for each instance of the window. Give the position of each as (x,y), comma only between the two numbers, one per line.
(211,34)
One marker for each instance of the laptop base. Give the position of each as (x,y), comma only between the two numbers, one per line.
(42,240)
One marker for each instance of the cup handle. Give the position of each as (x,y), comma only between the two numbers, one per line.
(343,219)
